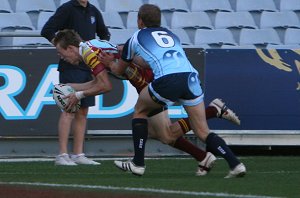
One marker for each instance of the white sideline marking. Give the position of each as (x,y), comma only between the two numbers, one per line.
(100,159)
(152,190)
(27,160)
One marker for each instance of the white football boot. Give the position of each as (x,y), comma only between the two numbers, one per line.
(64,160)
(224,112)
(131,167)
(82,159)
(238,171)
(206,165)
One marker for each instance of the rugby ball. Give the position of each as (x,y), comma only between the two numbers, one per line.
(61,90)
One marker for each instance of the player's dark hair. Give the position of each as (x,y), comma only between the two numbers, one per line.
(150,15)
(66,38)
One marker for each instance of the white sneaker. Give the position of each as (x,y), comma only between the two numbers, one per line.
(82,159)
(224,111)
(64,160)
(238,171)
(131,167)
(205,165)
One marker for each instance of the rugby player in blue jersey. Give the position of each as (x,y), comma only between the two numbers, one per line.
(175,80)
(72,49)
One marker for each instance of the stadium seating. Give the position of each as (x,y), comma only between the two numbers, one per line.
(292,36)
(14,21)
(113,20)
(234,20)
(25,41)
(216,37)
(186,18)
(210,5)
(35,6)
(190,20)
(255,5)
(183,36)
(283,19)
(171,5)
(289,5)
(43,18)
(5,6)
(120,5)
(259,37)
(30,41)
(120,36)
(131,20)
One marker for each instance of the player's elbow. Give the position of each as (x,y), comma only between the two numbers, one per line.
(105,87)
(108,87)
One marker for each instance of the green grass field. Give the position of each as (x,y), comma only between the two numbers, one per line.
(266,177)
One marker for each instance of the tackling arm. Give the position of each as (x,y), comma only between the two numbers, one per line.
(118,67)
(99,85)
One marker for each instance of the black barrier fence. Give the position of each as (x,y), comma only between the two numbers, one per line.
(262,86)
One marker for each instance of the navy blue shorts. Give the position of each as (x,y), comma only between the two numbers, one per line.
(183,88)
(78,76)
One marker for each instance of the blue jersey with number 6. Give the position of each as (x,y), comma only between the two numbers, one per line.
(161,49)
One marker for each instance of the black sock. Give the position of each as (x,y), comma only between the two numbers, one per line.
(217,146)
(139,135)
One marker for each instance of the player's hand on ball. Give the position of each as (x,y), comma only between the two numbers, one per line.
(63,96)
(72,102)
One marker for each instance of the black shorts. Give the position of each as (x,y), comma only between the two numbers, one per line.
(78,76)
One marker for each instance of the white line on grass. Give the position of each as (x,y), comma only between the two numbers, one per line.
(151,190)
(49,159)
(52,159)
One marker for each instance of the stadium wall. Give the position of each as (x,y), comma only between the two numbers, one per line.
(262,86)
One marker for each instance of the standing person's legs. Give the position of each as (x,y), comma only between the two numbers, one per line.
(79,128)
(64,127)
(77,123)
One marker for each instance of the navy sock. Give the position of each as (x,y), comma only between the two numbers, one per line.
(186,146)
(139,135)
(217,146)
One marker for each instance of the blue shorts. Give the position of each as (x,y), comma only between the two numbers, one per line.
(183,88)
(78,76)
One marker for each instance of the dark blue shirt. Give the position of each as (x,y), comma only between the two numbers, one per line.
(87,21)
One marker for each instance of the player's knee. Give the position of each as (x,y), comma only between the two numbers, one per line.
(167,139)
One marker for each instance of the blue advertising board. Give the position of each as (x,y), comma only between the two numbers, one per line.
(28,109)
(262,86)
